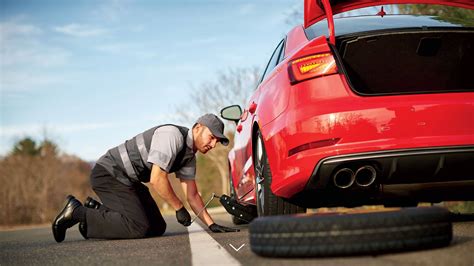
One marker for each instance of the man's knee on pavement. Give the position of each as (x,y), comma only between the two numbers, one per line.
(145,229)
(138,229)
(158,229)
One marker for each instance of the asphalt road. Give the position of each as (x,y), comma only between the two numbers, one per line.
(197,246)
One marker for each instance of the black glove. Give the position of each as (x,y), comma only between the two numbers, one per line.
(183,217)
(221,229)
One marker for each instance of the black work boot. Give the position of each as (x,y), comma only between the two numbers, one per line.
(64,220)
(89,203)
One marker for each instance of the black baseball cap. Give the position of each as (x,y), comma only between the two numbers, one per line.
(216,126)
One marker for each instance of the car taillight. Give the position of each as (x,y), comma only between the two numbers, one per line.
(314,145)
(311,66)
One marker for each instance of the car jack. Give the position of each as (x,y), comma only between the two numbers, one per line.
(242,212)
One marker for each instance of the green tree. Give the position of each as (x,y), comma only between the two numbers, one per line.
(26,146)
(35,173)
(451,14)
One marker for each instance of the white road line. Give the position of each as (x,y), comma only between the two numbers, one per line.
(205,250)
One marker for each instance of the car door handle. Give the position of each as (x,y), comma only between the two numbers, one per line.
(253,107)
(239,128)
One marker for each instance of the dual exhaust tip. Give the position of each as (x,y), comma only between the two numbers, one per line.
(363,177)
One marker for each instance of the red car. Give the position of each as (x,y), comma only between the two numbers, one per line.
(379,112)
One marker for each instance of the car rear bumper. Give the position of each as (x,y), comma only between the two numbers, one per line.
(401,166)
(411,175)
(360,125)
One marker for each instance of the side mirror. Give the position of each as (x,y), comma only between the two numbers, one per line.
(232,113)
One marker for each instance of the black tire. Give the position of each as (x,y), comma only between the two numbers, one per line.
(350,234)
(267,202)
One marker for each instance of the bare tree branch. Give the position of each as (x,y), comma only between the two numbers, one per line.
(233,86)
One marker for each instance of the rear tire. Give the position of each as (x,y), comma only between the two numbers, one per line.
(267,202)
(349,234)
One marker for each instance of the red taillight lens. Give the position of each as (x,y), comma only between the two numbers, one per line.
(311,66)
(314,145)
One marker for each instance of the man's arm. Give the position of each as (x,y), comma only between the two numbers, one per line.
(160,183)
(195,200)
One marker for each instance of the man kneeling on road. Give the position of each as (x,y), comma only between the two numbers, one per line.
(128,209)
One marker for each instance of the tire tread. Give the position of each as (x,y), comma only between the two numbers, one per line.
(408,229)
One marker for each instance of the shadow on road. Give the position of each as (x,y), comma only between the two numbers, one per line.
(462,217)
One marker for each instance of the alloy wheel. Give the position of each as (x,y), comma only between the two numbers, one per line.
(259,178)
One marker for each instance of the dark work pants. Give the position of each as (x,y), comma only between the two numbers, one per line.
(126,211)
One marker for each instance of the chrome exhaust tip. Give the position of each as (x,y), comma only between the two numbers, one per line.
(365,176)
(344,178)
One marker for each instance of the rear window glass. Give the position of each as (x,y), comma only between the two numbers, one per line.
(397,16)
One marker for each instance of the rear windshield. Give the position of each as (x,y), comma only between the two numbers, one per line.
(397,16)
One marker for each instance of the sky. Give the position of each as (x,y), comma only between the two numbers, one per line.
(90,74)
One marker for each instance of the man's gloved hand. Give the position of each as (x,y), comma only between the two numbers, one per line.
(183,217)
(221,229)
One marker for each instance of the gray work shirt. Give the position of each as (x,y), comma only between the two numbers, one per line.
(166,143)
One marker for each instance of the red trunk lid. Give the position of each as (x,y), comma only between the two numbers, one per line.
(314,10)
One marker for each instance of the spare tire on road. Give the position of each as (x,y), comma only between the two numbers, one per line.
(349,234)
